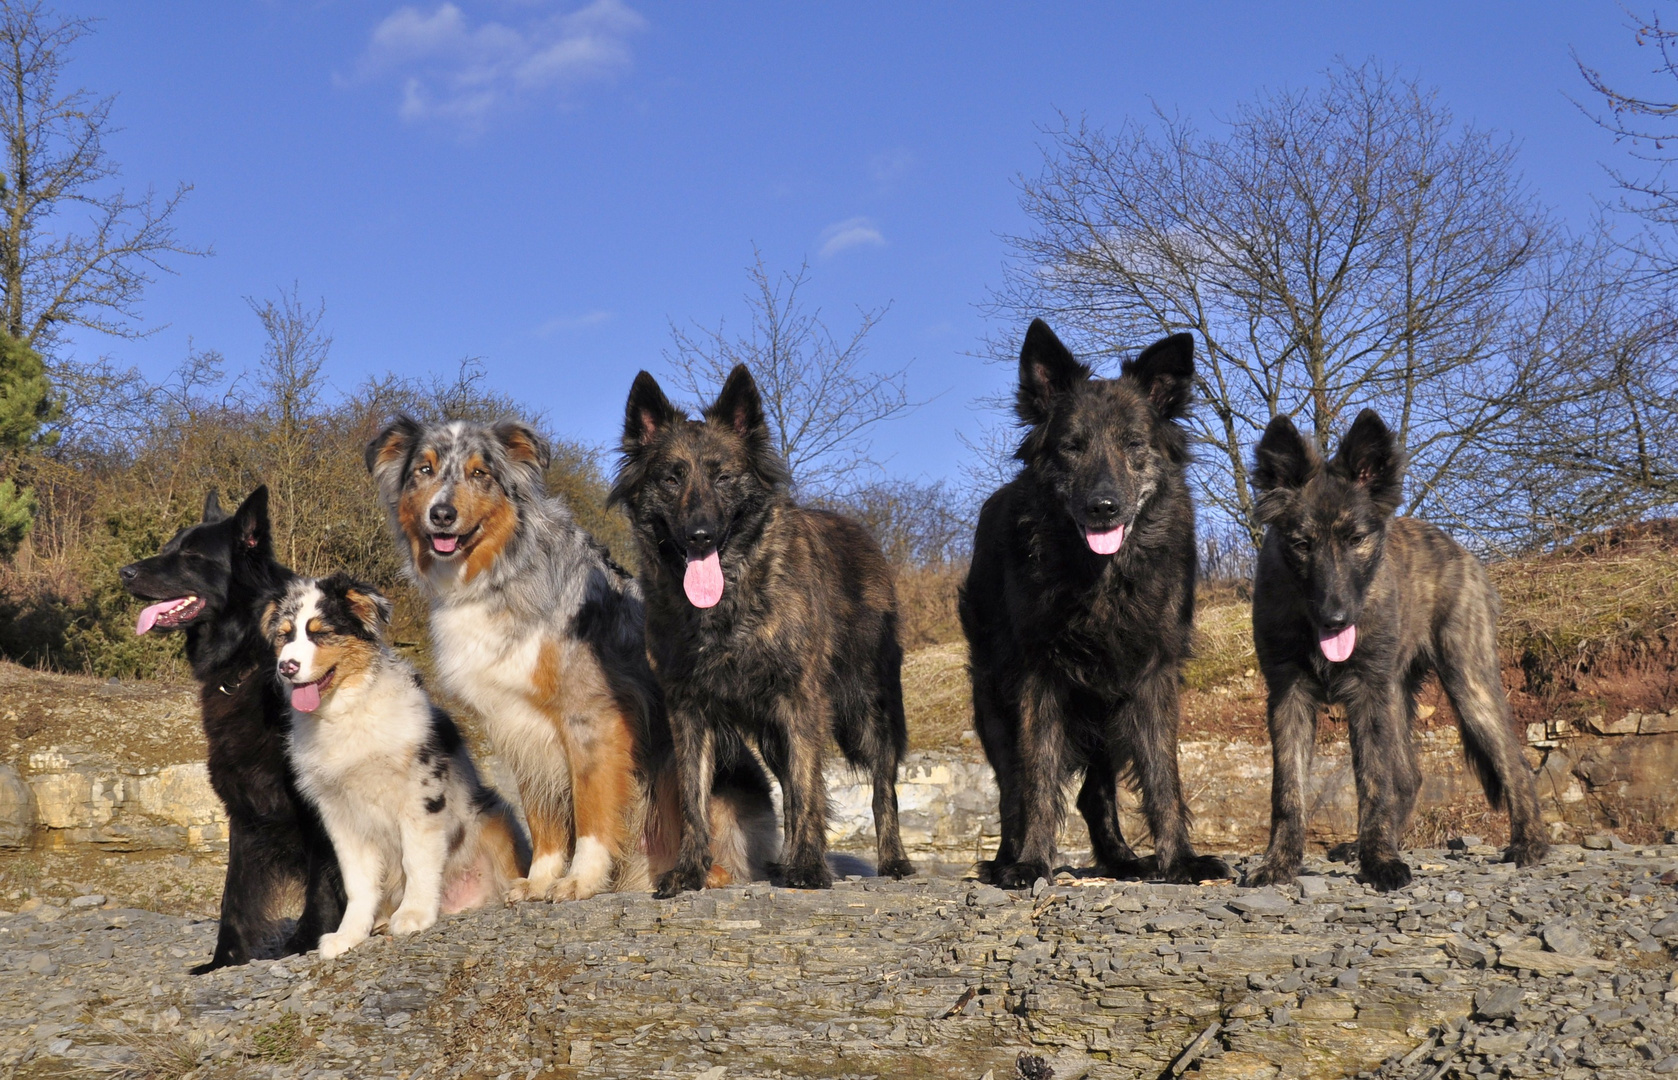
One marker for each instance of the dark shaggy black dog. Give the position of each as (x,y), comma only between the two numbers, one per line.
(1078,608)
(1352,606)
(765,621)
(213,580)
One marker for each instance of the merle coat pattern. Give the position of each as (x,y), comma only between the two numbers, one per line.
(766,622)
(1078,608)
(216,578)
(1354,607)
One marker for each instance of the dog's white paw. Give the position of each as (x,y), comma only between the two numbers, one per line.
(338,943)
(410,921)
(574,887)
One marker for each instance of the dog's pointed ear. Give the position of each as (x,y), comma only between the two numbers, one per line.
(1283,461)
(1047,371)
(251,521)
(740,406)
(212,508)
(648,413)
(1371,458)
(1166,371)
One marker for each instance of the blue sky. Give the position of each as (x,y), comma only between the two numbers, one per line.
(549,185)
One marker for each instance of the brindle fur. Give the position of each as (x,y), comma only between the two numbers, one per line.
(802,643)
(1334,556)
(1076,656)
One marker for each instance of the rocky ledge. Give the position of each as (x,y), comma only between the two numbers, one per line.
(1478,969)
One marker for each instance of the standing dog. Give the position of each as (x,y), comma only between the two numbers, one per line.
(213,580)
(1354,607)
(765,621)
(541,633)
(1078,607)
(415,829)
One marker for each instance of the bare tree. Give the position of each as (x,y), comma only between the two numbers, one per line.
(821,400)
(1333,249)
(54,273)
(289,373)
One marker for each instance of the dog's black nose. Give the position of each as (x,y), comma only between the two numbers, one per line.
(288,668)
(129,572)
(1102,508)
(443,516)
(701,538)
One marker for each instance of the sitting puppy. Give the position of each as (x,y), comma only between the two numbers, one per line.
(416,830)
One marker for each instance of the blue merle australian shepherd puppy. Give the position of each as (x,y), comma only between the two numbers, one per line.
(418,833)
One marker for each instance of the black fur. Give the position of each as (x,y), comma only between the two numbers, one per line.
(1076,656)
(803,642)
(1335,558)
(275,838)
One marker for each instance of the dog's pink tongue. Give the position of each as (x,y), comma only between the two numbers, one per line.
(1104,543)
(306,698)
(703,581)
(445,544)
(1338,646)
(148,617)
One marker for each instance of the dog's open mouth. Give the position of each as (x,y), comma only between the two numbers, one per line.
(1105,541)
(305,697)
(169,613)
(448,545)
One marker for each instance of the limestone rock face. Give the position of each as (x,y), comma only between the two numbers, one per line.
(17,809)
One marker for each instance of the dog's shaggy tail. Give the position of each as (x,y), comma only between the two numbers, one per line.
(745,834)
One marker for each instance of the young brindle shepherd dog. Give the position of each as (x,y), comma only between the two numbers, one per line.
(765,621)
(1354,607)
(541,633)
(1078,608)
(213,581)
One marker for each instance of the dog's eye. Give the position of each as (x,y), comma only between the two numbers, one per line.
(1137,446)
(1302,544)
(1073,446)
(424,470)
(478,474)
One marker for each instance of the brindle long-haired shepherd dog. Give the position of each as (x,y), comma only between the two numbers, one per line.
(765,621)
(537,629)
(1352,606)
(1078,607)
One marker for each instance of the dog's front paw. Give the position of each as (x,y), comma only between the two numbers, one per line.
(1386,875)
(1346,853)
(679,880)
(1197,868)
(1526,852)
(814,875)
(337,944)
(1022,875)
(1272,872)
(573,887)
(410,921)
(896,868)
(987,871)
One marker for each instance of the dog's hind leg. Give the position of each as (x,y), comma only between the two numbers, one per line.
(1098,802)
(1293,734)
(885,754)
(1383,768)
(323,897)
(996,720)
(1149,718)
(248,896)
(1468,669)
(1040,768)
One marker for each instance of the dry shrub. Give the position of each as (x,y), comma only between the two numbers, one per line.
(926,602)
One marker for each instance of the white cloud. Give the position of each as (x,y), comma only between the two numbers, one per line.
(451,70)
(854,232)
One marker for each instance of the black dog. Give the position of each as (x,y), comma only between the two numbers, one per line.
(764,621)
(213,580)
(1078,607)
(1352,606)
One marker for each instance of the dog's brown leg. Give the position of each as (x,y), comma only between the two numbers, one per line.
(1293,734)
